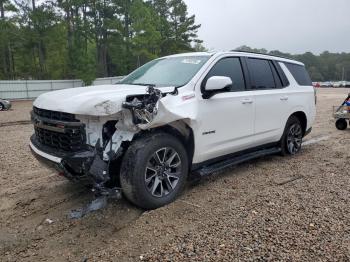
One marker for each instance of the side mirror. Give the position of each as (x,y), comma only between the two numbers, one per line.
(215,84)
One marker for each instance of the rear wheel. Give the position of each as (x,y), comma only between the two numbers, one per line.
(292,137)
(154,171)
(2,107)
(341,124)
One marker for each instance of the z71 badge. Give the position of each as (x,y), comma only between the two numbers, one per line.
(208,133)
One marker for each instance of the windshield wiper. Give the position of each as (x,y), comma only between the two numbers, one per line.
(175,92)
(142,84)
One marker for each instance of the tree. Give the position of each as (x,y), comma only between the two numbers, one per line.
(183,30)
(198,47)
(7,31)
(36,21)
(145,37)
(90,38)
(254,50)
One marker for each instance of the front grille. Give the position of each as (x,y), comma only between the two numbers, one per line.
(61,131)
(63,141)
(54,115)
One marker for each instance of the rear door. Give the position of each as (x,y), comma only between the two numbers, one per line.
(271,100)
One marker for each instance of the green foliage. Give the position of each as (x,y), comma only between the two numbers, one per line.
(198,47)
(324,67)
(85,39)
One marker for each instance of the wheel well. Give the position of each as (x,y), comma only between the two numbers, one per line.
(302,118)
(180,130)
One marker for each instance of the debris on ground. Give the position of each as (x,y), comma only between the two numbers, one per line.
(48,221)
(97,204)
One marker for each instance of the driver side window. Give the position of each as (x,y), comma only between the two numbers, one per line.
(230,67)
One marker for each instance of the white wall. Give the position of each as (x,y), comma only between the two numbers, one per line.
(28,89)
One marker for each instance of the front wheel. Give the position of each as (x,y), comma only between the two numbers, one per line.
(341,124)
(2,107)
(292,137)
(154,170)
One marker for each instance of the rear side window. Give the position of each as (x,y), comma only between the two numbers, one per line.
(300,74)
(232,68)
(261,73)
(278,80)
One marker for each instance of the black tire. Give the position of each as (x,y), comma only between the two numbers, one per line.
(2,107)
(292,137)
(142,173)
(341,124)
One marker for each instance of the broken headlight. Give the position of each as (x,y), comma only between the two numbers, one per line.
(144,107)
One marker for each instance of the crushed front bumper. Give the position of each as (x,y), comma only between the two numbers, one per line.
(84,166)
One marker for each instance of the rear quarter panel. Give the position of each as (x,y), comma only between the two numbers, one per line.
(301,98)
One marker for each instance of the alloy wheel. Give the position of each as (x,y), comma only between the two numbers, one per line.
(294,139)
(163,172)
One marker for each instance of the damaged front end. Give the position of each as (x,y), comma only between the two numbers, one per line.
(144,107)
(86,165)
(89,147)
(83,148)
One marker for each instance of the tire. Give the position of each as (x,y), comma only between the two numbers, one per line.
(292,138)
(341,124)
(154,171)
(2,107)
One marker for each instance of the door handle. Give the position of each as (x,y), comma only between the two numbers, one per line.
(247,101)
(284,98)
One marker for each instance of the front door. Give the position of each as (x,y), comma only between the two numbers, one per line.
(226,120)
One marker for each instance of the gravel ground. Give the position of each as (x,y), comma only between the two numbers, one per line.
(274,208)
(20,112)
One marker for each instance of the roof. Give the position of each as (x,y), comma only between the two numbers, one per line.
(269,56)
(192,54)
(240,53)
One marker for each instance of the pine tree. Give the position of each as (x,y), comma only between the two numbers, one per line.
(183,29)
(7,33)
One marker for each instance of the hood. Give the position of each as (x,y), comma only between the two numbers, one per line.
(90,100)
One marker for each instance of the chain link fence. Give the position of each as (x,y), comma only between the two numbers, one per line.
(30,89)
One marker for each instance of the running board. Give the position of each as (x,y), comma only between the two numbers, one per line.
(222,165)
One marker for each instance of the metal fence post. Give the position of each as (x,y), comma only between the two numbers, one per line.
(27,89)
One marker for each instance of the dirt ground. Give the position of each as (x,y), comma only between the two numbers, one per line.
(282,209)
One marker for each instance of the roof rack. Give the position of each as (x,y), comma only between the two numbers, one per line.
(252,52)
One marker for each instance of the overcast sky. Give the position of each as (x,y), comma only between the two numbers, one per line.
(293,26)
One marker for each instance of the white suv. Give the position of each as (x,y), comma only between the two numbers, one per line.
(183,114)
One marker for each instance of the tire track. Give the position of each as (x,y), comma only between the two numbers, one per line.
(16,123)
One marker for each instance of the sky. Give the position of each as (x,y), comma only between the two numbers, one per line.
(293,26)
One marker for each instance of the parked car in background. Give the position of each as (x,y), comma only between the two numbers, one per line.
(4,104)
(337,84)
(344,84)
(175,116)
(326,84)
(341,84)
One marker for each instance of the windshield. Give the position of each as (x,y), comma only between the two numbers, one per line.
(164,72)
